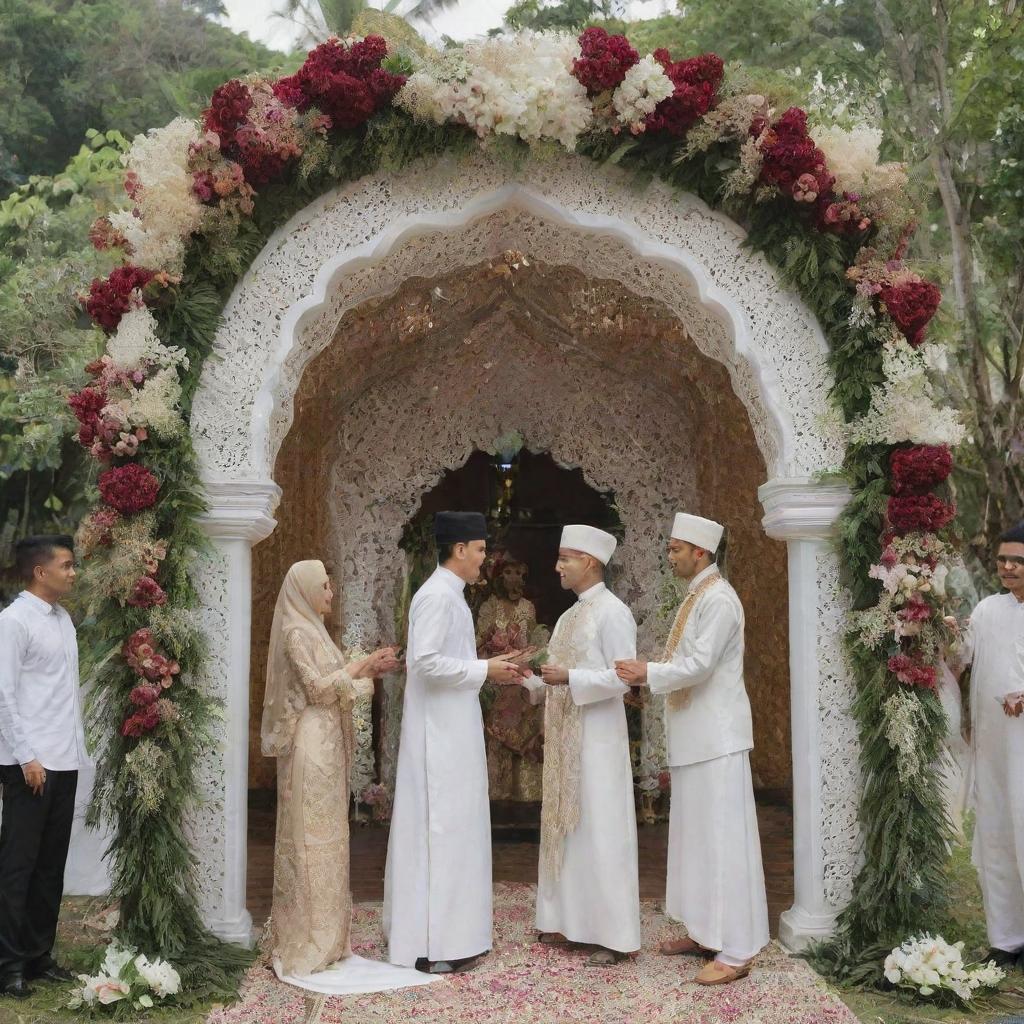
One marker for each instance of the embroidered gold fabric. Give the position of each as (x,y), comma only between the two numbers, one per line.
(679,699)
(563,742)
(312,902)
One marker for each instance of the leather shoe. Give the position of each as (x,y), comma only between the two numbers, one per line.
(49,971)
(14,986)
(1002,957)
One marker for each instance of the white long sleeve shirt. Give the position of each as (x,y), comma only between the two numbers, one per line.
(40,706)
(709,662)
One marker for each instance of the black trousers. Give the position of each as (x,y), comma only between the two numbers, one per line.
(34,835)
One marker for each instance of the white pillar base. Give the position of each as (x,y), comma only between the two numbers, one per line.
(798,928)
(239,930)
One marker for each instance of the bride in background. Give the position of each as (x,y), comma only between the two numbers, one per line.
(307,726)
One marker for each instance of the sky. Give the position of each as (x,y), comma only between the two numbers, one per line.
(464,20)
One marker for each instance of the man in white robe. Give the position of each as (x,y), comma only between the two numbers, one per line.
(715,883)
(437,880)
(994,646)
(588,883)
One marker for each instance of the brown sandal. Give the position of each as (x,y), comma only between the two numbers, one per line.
(552,938)
(684,947)
(715,973)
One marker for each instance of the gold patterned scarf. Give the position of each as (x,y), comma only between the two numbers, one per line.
(563,744)
(679,699)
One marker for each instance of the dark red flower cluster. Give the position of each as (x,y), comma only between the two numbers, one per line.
(260,158)
(147,593)
(792,161)
(918,469)
(109,300)
(604,60)
(347,83)
(696,82)
(229,105)
(910,306)
(919,513)
(86,405)
(913,673)
(130,488)
(146,660)
(144,720)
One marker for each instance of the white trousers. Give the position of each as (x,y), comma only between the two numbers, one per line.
(715,884)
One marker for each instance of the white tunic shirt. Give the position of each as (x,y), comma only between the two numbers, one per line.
(40,709)
(437,881)
(596,898)
(995,645)
(709,661)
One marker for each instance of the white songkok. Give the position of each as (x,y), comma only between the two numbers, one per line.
(701,533)
(590,541)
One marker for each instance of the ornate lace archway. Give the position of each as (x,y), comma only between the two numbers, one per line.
(363,241)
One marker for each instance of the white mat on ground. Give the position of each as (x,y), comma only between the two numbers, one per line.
(355,975)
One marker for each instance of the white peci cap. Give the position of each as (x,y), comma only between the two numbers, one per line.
(590,541)
(702,533)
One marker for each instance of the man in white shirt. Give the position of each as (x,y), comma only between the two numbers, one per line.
(437,879)
(588,887)
(42,747)
(715,883)
(994,647)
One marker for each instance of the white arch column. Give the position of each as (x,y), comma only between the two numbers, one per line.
(803,513)
(239,515)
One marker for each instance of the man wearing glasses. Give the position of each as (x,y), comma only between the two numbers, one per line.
(994,647)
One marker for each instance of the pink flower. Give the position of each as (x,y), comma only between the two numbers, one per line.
(805,190)
(144,695)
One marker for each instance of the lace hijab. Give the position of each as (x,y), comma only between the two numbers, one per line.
(300,595)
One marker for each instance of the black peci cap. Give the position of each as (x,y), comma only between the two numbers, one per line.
(459,527)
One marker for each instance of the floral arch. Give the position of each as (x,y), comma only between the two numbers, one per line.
(246,245)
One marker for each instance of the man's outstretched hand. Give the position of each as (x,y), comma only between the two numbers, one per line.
(504,671)
(631,671)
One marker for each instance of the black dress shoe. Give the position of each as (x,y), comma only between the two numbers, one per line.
(1002,957)
(14,986)
(51,971)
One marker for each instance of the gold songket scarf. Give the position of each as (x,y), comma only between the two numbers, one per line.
(679,699)
(563,742)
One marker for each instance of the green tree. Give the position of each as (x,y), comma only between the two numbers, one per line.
(128,65)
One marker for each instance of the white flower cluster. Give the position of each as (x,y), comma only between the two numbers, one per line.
(155,404)
(903,408)
(643,88)
(929,964)
(135,345)
(852,157)
(519,85)
(904,578)
(166,210)
(121,976)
